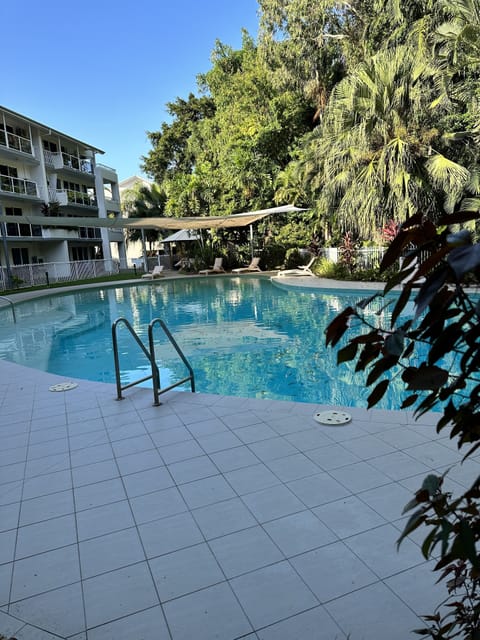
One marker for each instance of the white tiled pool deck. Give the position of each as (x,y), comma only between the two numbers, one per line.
(207,517)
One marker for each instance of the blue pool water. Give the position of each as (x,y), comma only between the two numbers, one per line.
(243,336)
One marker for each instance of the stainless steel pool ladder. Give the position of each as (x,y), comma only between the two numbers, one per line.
(150,354)
(12,305)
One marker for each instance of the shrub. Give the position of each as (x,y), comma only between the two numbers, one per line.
(293,258)
(273,255)
(325,268)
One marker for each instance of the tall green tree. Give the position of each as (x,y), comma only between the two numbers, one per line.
(386,146)
(149,202)
(171,152)
(226,160)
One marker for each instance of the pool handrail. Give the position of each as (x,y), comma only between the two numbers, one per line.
(150,354)
(174,343)
(10,302)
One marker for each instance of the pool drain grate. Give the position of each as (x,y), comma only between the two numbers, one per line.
(63,386)
(335,418)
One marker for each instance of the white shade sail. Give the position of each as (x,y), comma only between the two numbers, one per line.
(201,222)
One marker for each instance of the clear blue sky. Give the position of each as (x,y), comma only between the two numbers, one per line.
(103,70)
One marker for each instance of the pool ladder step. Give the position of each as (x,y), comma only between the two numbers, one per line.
(150,354)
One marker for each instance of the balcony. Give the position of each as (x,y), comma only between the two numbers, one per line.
(72,233)
(18,186)
(81,198)
(62,160)
(107,173)
(112,205)
(58,196)
(15,142)
(66,197)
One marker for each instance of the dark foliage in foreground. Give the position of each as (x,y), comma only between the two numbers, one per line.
(439,273)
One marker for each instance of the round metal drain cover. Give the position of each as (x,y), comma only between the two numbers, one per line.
(333,417)
(63,386)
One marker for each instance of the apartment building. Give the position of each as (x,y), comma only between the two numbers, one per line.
(46,173)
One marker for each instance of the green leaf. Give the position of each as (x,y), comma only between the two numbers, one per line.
(395,249)
(428,544)
(347,353)
(409,401)
(400,305)
(338,326)
(378,393)
(429,289)
(424,377)
(394,343)
(464,259)
(411,504)
(382,365)
(460,238)
(466,540)
(432,484)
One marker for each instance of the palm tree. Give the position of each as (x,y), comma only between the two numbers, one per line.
(457,49)
(458,39)
(375,156)
(148,203)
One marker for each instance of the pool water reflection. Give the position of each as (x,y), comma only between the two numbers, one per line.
(243,337)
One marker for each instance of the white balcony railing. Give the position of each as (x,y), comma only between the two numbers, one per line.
(19,186)
(79,164)
(81,198)
(16,142)
(58,195)
(66,196)
(62,160)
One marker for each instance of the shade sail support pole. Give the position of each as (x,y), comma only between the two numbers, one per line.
(144,251)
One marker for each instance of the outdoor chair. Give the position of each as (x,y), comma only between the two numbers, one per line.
(157,272)
(253,266)
(302,270)
(217,267)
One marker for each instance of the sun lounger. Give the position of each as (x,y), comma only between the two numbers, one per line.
(302,270)
(217,267)
(157,272)
(253,266)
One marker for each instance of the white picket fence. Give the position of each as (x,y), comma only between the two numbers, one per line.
(30,275)
(364,258)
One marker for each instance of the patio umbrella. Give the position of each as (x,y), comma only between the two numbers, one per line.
(183,235)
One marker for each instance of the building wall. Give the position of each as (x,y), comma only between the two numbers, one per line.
(134,249)
(46,172)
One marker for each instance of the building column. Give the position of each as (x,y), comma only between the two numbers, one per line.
(122,255)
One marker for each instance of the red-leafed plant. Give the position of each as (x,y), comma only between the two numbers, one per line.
(389,231)
(347,252)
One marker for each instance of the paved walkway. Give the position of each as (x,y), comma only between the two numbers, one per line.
(207,517)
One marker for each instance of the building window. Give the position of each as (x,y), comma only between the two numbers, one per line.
(20,255)
(19,131)
(11,172)
(13,229)
(50,146)
(13,211)
(80,253)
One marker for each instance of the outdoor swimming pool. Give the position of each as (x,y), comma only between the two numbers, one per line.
(243,336)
